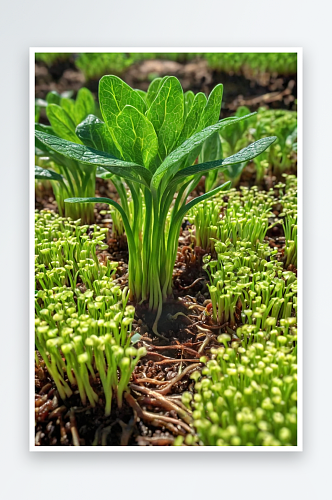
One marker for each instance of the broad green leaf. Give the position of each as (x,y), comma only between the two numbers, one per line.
(114,95)
(135,137)
(45,174)
(166,115)
(94,134)
(61,123)
(152,91)
(246,154)
(172,163)
(41,148)
(84,105)
(69,106)
(211,111)
(142,94)
(126,175)
(188,99)
(89,156)
(53,97)
(193,118)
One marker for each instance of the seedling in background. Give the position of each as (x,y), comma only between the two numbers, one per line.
(74,178)
(281,157)
(95,65)
(253,63)
(151,141)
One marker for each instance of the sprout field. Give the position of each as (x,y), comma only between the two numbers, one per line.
(166,250)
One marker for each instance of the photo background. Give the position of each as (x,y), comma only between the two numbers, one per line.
(188,475)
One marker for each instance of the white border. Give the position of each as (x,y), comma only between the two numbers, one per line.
(184,449)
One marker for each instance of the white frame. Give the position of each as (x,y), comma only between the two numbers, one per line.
(193,449)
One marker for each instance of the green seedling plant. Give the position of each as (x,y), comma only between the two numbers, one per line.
(68,177)
(150,141)
(83,320)
(205,217)
(87,338)
(249,285)
(246,394)
(66,252)
(282,155)
(244,214)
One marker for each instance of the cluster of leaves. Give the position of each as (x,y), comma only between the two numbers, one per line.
(149,141)
(83,322)
(68,177)
(246,395)
(95,65)
(243,214)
